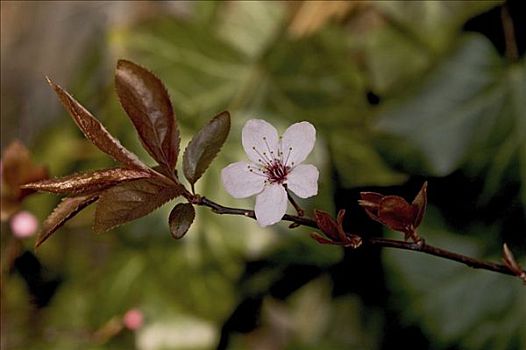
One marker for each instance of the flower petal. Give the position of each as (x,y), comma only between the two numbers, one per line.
(271,205)
(303,180)
(260,140)
(297,142)
(240,182)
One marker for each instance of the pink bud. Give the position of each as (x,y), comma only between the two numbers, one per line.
(133,319)
(23,224)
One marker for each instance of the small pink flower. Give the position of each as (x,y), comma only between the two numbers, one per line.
(275,162)
(133,319)
(23,224)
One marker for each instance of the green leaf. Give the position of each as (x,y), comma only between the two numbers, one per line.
(459,101)
(358,163)
(95,131)
(431,23)
(145,99)
(89,182)
(181,219)
(204,147)
(131,200)
(67,208)
(452,303)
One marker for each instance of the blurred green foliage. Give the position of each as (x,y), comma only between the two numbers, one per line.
(447,102)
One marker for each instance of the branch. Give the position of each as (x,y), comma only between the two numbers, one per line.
(421,246)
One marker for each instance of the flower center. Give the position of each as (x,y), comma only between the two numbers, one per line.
(272,166)
(276,171)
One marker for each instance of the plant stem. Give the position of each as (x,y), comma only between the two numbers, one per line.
(420,246)
(296,206)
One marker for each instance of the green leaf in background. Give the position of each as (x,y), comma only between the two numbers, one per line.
(359,164)
(460,100)
(204,147)
(453,303)
(146,101)
(432,24)
(130,201)
(181,218)
(251,26)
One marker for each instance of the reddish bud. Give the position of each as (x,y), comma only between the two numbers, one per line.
(333,230)
(395,212)
(327,224)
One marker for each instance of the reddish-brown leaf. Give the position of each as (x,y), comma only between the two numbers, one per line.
(88,182)
(95,131)
(327,224)
(65,210)
(180,220)
(204,146)
(370,202)
(395,213)
(419,205)
(131,200)
(145,99)
(320,239)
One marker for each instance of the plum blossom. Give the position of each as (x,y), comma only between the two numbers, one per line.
(275,166)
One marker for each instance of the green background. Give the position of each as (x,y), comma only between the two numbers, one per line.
(400,93)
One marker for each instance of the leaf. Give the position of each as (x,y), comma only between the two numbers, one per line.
(395,213)
(145,99)
(89,182)
(204,146)
(327,224)
(95,131)
(180,219)
(419,205)
(457,105)
(369,202)
(131,200)
(453,304)
(357,161)
(65,210)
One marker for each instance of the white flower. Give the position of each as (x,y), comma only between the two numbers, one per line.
(275,162)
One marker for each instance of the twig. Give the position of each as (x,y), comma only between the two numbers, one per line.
(420,246)
(296,206)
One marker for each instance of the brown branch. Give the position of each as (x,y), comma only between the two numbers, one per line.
(420,246)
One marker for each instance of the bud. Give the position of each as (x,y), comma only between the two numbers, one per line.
(333,230)
(395,212)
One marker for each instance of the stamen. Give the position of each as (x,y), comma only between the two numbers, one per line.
(263,159)
(288,155)
(268,147)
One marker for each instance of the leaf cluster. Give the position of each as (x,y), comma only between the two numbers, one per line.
(133,189)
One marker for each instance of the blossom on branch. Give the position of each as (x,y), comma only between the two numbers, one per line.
(275,166)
